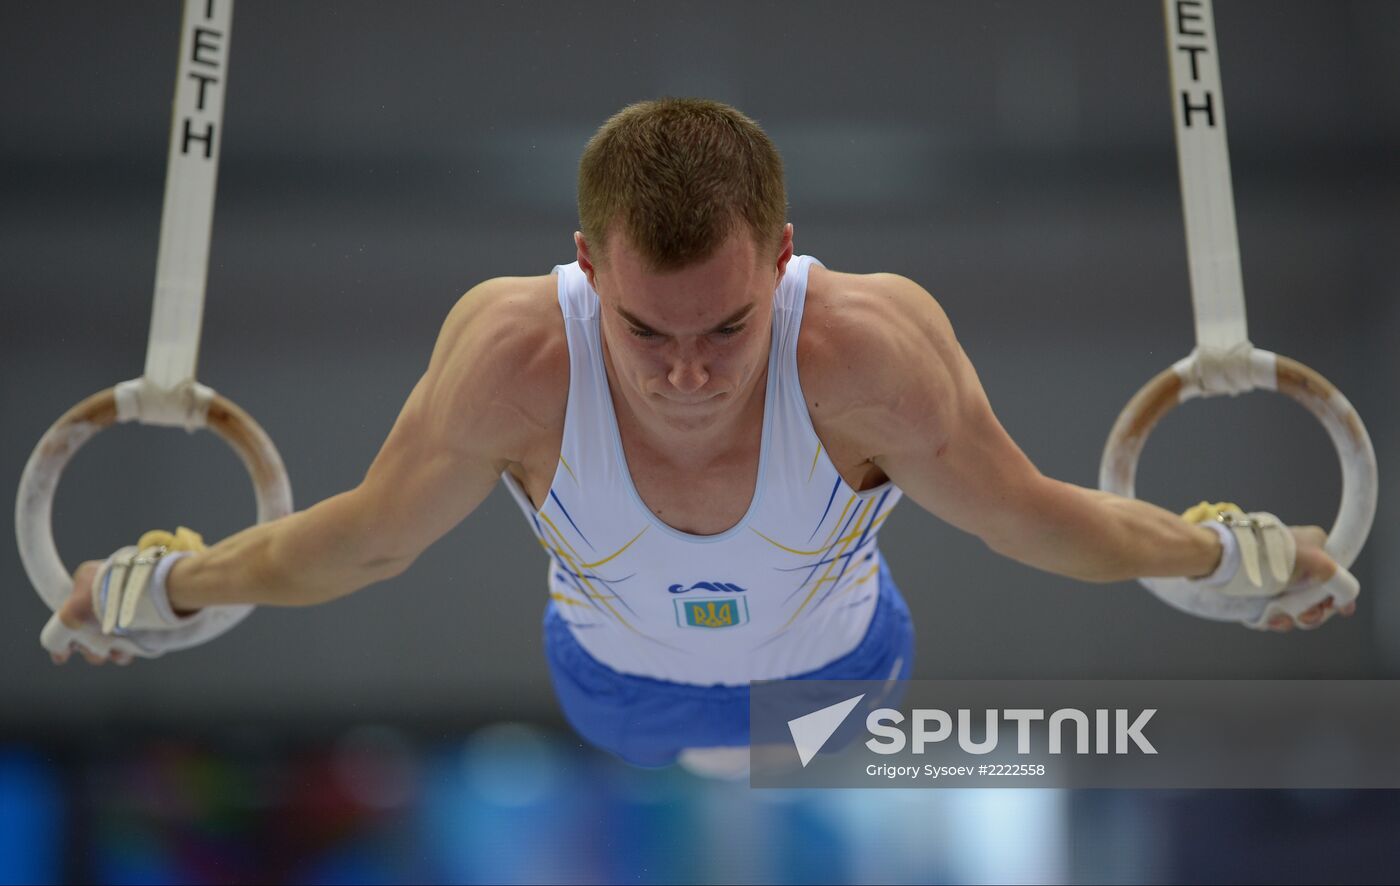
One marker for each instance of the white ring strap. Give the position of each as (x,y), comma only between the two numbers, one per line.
(167,394)
(1207,199)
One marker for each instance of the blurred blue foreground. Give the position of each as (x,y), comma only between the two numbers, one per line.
(511,803)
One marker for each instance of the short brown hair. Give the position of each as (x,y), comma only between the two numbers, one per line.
(676,175)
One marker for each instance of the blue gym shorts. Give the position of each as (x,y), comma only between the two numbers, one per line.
(649,722)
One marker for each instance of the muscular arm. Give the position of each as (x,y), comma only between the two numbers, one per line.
(457,431)
(929,427)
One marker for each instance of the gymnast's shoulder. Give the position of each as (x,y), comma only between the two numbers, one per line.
(503,348)
(876,351)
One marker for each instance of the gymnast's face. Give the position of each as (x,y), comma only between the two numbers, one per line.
(688,344)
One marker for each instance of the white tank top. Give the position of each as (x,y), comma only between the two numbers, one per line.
(789,588)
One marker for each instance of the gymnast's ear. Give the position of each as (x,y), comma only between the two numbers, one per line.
(784,250)
(585,261)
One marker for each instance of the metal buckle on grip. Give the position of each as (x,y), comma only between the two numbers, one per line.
(160,551)
(1241,521)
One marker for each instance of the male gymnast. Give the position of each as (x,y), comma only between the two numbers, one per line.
(706,433)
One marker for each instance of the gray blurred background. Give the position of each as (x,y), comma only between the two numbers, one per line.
(380,159)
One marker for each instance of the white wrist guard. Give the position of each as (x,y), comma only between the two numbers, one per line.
(132,608)
(1264,551)
(128,592)
(1257,557)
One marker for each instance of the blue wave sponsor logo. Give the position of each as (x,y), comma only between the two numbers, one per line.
(714,587)
(712,612)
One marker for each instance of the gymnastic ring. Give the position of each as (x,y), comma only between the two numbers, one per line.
(38,483)
(1175,385)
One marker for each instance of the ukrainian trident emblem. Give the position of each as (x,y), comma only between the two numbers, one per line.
(713,613)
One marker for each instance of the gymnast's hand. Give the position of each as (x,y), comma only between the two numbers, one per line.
(77,613)
(1269,576)
(125,593)
(1312,568)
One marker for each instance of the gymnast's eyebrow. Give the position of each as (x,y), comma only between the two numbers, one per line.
(727,321)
